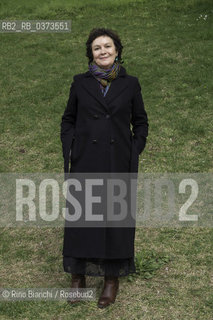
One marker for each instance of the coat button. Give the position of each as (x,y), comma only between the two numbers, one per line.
(107,116)
(94,141)
(112,141)
(95,116)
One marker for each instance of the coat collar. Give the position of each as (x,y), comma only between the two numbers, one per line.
(116,88)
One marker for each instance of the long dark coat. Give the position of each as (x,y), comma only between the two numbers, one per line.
(97,131)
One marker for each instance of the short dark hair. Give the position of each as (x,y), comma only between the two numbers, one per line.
(97,32)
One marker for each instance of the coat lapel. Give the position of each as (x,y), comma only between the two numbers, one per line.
(116,88)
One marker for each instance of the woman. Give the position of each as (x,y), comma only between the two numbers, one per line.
(103,103)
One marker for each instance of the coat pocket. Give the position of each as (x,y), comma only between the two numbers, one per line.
(74,150)
(134,160)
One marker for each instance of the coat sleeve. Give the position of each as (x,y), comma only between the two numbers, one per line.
(139,119)
(68,125)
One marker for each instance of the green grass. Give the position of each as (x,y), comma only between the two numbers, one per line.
(167,45)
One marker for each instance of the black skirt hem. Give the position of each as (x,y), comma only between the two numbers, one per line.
(97,267)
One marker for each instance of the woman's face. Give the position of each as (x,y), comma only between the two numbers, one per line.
(104,52)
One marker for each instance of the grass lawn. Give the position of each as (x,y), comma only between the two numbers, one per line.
(167,45)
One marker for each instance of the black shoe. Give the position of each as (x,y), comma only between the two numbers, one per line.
(78,281)
(109,292)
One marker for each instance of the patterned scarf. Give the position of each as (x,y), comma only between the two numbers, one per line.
(104,76)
